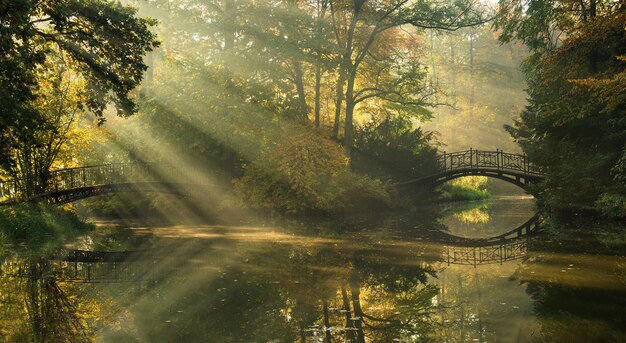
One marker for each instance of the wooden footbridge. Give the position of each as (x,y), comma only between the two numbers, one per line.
(510,167)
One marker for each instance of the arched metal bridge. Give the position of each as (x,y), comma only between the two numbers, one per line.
(72,184)
(510,167)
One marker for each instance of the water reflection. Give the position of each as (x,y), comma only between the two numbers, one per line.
(382,279)
(37,307)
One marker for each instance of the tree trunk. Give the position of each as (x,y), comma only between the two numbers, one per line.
(593,65)
(298,78)
(592,9)
(321,14)
(358,312)
(346,308)
(318,80)
(338,103)
(302,335)
(327,334)
(453,72)
(229,41)
(471,74)
(349,129)
(433,67)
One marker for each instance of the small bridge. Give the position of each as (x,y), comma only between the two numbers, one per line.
(513,168)
(72,184)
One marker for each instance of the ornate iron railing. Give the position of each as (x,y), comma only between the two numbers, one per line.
(497,253)
(496,160)
(118,173)
(87,272)
(107,174)
(86,266)
(511,245)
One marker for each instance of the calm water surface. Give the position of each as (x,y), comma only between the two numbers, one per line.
(385,278)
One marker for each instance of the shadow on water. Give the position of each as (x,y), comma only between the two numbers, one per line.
(400,277)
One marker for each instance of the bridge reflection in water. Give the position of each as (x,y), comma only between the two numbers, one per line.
(135,266)
(508,251)
(509,246)
(84,267)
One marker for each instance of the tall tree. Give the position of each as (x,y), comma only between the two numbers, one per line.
(574,124)
(359,25)
(101,41)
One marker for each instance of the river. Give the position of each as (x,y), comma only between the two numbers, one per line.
(415,276)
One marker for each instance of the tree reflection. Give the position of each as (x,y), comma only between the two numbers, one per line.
(575,279)
(358,291)
(350,282)
(348,285)
(39,308)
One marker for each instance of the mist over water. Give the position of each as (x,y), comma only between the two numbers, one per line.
(277,184)
(375,277)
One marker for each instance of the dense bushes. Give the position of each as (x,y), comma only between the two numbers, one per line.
(392,149)
(29,221)
(307,172)
(465,188)
(574,125)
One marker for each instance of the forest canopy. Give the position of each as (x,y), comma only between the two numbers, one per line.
(58,59)
(316,105)
(574,125)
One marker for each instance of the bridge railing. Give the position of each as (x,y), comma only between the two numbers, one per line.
(497,160)
(499,253)
(84,272)
(116,173)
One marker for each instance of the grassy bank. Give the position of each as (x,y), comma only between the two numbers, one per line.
(465,189)
(27,222)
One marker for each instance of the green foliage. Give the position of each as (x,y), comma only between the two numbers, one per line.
(101,44)
(612,204)
(456,193)
(465,188)
(307,172)
(353,192)
(105,41)
(392,149)
(480,79)
(32,221)
(574,124)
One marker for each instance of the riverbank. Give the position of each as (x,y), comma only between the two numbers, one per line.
(30,222)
